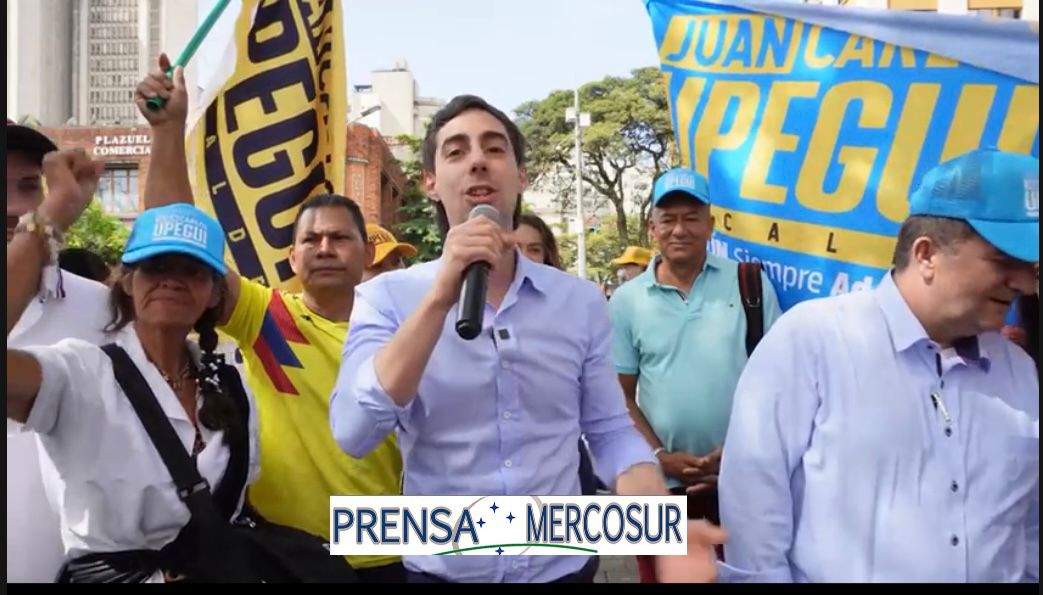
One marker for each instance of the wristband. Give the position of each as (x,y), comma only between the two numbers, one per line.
(36,224)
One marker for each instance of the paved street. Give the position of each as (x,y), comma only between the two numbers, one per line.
(617,569)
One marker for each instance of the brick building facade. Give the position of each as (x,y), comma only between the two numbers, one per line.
(372,176)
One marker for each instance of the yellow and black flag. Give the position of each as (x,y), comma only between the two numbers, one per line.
(271,132)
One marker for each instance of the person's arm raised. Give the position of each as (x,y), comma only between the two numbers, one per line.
(168,181)
(401,363)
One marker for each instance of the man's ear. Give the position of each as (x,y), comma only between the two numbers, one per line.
(429,186)
(371,251)
(293,260)
(523,177)
(925,257)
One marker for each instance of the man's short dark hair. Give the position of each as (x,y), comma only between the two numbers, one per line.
(457,106)
(83,262)
(331,200)
(946,233)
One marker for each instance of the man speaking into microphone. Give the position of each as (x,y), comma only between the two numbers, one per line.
(491,399)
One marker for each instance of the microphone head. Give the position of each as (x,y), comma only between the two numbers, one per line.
(488,211)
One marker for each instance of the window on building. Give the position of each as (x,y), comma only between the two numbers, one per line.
(118,189)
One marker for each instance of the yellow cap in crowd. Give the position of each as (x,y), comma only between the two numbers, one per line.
(384,243)
(634,255)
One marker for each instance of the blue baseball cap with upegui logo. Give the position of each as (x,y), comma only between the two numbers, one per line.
(177,229)
(681,180)
(996,193)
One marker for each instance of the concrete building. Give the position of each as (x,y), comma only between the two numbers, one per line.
(1017,9)
(391,104)
(372,176)
(77,62)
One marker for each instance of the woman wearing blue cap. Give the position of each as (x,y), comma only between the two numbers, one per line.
(119,507)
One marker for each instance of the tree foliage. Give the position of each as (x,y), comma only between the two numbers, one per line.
(99,232)
(603,245)
(418,226)
(631,135)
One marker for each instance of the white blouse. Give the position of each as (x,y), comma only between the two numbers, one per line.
(67,306)
(113,491)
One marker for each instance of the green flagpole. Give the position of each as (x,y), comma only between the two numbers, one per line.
(156,103)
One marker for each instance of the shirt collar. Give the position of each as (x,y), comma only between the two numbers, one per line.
(906,331)
(534,272)
(648,278)
(537,274)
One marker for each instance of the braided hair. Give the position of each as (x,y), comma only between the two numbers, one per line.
(219,412)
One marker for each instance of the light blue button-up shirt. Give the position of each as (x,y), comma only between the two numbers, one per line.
(860,451)
(687,350)
(497,415)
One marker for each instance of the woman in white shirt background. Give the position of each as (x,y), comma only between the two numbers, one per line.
(118,504)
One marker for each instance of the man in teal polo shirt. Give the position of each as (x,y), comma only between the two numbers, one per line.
(679,338)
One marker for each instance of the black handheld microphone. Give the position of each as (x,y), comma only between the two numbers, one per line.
(474,286)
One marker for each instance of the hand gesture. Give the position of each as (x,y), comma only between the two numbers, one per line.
(700,564)
(680,465)
(71,178)
(157,84)
(476,240)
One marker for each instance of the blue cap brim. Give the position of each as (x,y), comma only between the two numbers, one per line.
(680,192)
(153,250)
(1017,239)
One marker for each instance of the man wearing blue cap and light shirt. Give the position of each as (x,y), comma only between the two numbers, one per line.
(679,332)
(893,435)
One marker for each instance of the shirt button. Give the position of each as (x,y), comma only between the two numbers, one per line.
(514,565)
(948,432)
(507,463)
(507,415)
(955,541)
(505,364)
(955,487)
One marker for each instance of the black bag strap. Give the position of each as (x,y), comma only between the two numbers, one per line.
(751,291)
(192,488)
(234,480)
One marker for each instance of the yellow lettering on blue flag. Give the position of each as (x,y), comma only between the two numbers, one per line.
(813,137)
(273,134)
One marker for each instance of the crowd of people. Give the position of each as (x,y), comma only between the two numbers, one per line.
(885,435)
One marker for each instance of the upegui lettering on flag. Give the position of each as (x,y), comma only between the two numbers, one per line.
(269,133)
(815,123)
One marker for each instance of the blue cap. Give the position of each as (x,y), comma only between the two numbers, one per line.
(996,193)
(681,179)
(177,229)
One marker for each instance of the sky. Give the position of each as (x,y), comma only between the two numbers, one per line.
(507,51)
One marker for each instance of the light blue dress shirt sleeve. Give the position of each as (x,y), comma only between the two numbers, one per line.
(604,419)
(361,412)
(624,352)
(771,424)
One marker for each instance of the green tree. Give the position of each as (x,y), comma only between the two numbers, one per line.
(99,232)
(603,245)
(418,226)
(630,133)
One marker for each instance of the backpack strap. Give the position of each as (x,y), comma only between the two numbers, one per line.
(751,291)
(234,480)
(192,488)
